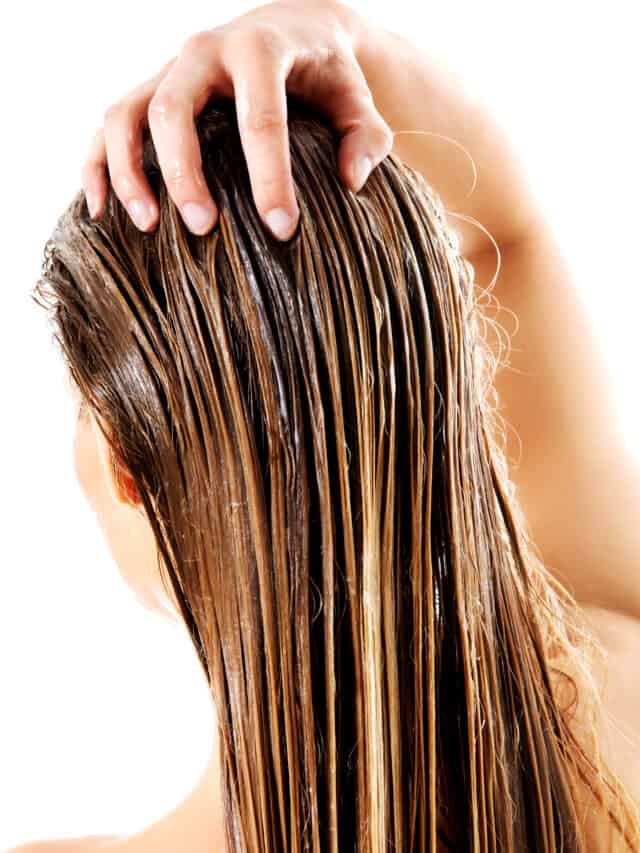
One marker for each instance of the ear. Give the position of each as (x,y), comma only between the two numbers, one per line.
(119,481)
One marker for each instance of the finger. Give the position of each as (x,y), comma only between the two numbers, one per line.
(196,75)
(259,68)
(342,92)
(367,139)
(123,125)
(94,175)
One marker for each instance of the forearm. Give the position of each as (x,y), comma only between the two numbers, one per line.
(412,91)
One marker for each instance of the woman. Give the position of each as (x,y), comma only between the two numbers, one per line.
(295,449)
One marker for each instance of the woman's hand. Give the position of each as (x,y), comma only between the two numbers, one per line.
(304,47)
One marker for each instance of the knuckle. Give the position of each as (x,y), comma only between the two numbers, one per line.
(201,41)
(114,113)
(165,103)
(258,38)
(264,119)
(273,182)
(340,60)
(379,134)
(268,39)
(177,180)
(387,137)
(184,170)
(125,181)
(119,115)
(121,184)
(383,136)
(120,112)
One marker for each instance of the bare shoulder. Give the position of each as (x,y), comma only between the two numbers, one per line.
(618,681)
(615,671)
(196,824)
(89,844)
(620,637)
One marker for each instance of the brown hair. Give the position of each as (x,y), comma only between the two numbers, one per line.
(313,432)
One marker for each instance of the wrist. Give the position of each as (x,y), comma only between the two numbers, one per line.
(360,31)
(414,91)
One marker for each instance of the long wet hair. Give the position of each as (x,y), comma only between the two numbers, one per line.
(313,431)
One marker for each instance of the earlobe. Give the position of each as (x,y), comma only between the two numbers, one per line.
(119,481)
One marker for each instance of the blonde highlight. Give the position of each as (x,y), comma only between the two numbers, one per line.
(313,431)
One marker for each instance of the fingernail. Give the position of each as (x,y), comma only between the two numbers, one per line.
(198,217)
(141,213)
(280,222)
(361,171)
(91,203)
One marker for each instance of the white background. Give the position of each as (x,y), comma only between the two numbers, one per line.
(104,719)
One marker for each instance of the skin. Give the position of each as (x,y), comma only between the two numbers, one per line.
(196,823)
(563,437)
(112,495)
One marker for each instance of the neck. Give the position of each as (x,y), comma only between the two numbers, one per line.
(196,824)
